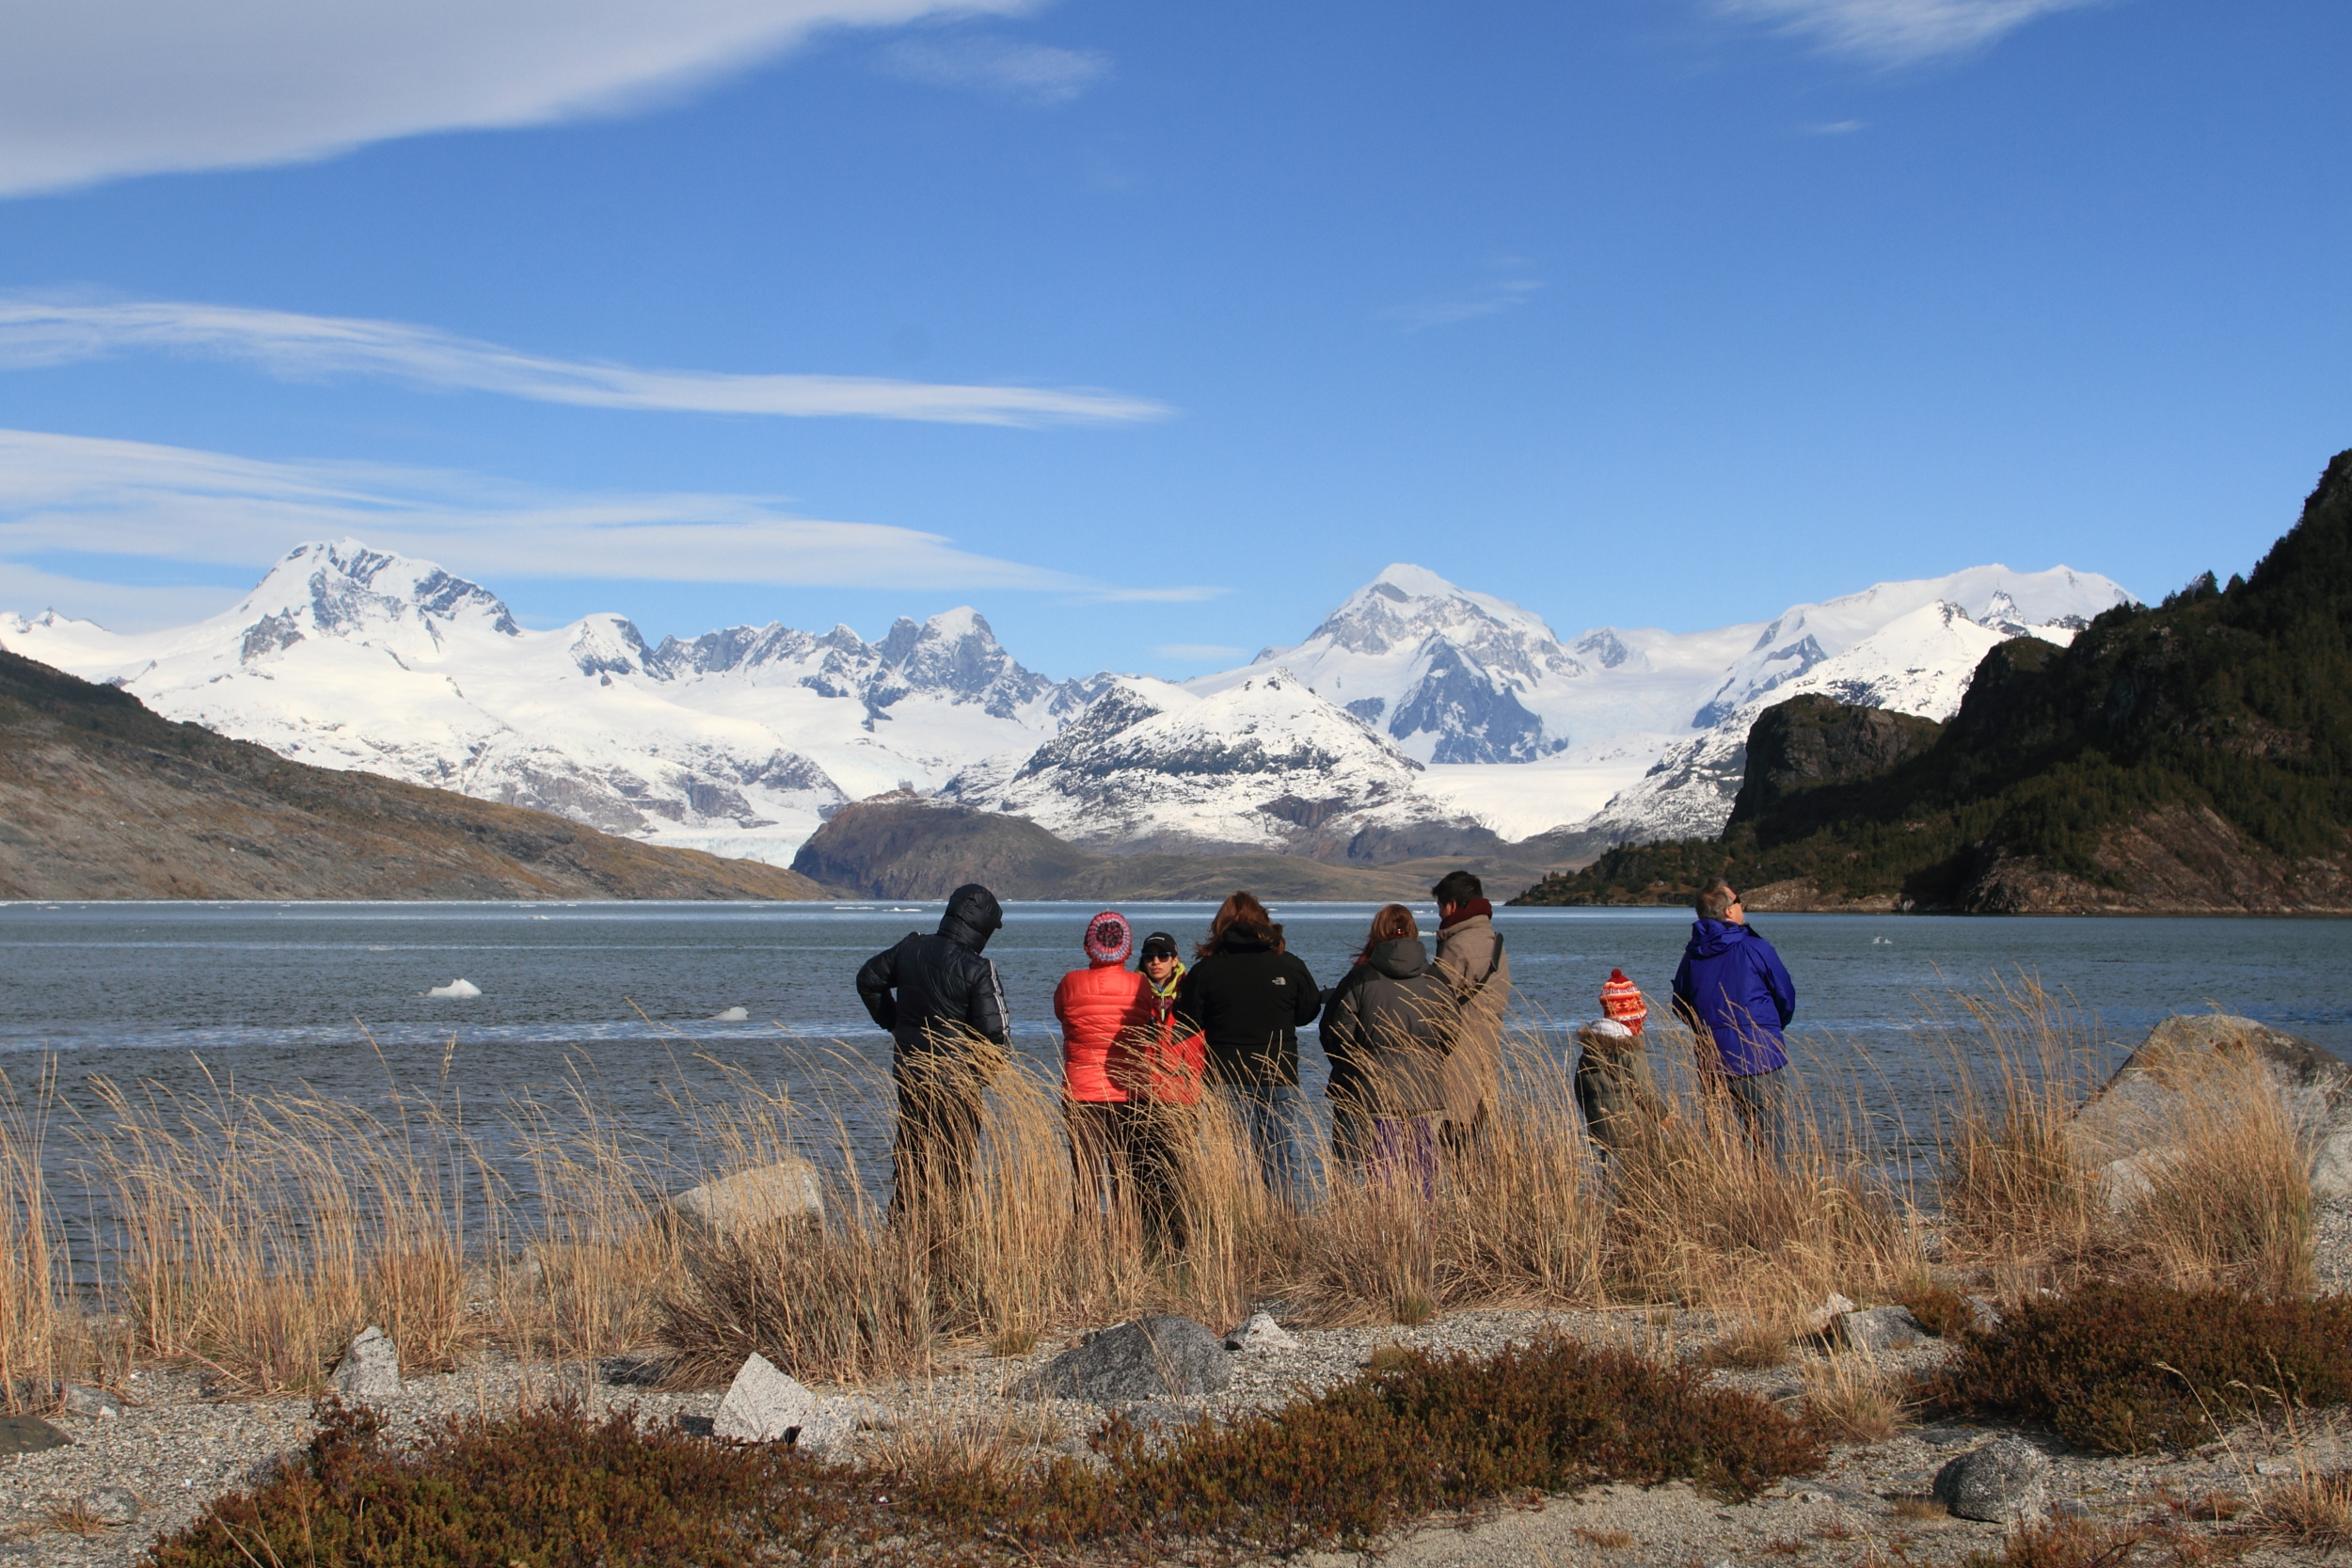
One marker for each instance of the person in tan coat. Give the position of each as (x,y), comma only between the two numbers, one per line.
(1471,957)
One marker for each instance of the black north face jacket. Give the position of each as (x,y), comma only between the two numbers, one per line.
(1250,1000)
(946,992)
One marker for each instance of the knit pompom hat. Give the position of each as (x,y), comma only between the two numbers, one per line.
(1109,938)
(1621,999)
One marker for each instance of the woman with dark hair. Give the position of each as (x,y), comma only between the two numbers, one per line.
(1387,1029)
(1247,996)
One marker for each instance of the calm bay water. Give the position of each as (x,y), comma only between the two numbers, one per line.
(275,995)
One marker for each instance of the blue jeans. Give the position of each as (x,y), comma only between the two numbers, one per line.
(1268,1113)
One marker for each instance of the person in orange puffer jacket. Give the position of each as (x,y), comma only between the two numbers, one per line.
(1107,1020)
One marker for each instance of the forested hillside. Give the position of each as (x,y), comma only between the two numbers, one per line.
(2194,756)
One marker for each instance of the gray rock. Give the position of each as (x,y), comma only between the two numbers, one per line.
(111,1505)
(765,1405)
(2004,1482)
(1817,1321)
(1881,1328)
(1982,1315)
(788,1189)
(271,1466)
(2140,1108)
(1148,1359)
(1260,1333)
(30,1435)
(83,1399)
(369,1370)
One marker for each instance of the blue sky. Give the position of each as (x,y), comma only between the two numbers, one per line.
(1153,330)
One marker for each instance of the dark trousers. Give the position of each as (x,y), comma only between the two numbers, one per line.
(1159,1149)
(1761,1103)
(939,1136)
(1099,1153)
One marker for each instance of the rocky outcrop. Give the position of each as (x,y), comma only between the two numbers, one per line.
(2167,1085)
(1810,741)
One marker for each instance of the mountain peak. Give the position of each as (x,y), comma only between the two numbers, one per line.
(328,587)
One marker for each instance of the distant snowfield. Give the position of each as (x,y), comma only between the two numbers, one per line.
(1535,796)
(1414,704)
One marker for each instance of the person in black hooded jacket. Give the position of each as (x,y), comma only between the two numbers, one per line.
(1248,996)
(945,1008)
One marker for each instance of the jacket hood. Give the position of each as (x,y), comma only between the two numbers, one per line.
(973,914)
(1399,959)
(1711,939)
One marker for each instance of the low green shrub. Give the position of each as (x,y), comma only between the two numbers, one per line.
(2128,1368)
(553,1488)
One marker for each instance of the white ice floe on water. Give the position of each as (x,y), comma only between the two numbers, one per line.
(459,989)
(732,1015)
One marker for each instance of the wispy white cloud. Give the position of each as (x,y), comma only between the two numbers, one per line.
(1836,128)
(36,332)
(1199,652)
(1898,32)
(1484,300)
(1037,72)
(128,498)
(96,89)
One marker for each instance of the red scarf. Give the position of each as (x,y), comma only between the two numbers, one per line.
(1471,911)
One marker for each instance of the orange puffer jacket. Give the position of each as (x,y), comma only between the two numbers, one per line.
(1107,1015)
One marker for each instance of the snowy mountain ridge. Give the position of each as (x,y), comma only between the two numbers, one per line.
(1417,712)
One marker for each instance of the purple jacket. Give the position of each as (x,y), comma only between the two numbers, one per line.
(1733,985)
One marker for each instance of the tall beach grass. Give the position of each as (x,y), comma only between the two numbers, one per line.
(250,1234)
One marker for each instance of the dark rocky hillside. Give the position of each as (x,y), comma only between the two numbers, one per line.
(899,847)
(101,799)
(2193,757)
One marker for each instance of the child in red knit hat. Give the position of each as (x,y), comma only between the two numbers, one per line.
(1615,1087)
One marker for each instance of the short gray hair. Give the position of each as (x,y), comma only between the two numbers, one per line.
(1715,900)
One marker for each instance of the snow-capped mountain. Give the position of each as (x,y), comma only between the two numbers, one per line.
(1418,716)
(1256,762)
(740,741)
(1443,671)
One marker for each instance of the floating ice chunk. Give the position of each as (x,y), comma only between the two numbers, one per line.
(459,989)
(732,1015)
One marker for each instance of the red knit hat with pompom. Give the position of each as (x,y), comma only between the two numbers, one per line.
(1109,938)
(1621,999)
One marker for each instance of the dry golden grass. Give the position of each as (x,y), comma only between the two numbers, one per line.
(1851,1397)
(2312,1511)
(1701,1215)
(2229,1202)
(43,1338)
(253,1234)
(257,1233)
(2222,1200)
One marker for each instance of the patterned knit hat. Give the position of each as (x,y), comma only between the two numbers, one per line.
(1621,999)
(1109,937)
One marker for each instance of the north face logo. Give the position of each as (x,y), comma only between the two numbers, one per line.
(1280,980)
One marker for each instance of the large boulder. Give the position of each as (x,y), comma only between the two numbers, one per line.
(369,1373)
(1149,1359)
(767,1405)
(790,1189)
(2122,1129)
(2004,1482)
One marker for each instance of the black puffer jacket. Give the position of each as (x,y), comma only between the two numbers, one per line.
(1249,999)
(946,992)
(1387,1029)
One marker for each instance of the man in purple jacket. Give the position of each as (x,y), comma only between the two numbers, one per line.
(1732,988)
